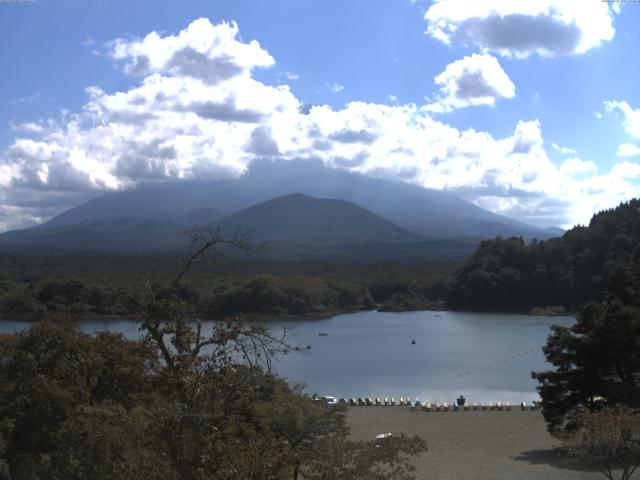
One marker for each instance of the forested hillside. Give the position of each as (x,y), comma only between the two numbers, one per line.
(89,286)
(583,265)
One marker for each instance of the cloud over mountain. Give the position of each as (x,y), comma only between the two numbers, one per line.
(198,112)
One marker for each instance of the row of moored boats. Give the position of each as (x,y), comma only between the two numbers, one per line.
(430,407)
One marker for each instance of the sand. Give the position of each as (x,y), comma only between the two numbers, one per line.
(474,445)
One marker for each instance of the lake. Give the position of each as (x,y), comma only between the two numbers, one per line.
(484,356)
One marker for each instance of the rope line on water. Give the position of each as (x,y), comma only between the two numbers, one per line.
(498,363)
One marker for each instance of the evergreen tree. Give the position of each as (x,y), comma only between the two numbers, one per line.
(597,363)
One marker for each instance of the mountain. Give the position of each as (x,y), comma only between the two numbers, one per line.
(426,212)
(298,219)
(297,225)
(107,234)
(291,226)
(297,207)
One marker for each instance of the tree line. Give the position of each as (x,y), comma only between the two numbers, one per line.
(583,265)
(88,286)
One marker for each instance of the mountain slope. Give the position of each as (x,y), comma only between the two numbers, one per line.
(293,225)
(111,234)
(422,211)
(297,219)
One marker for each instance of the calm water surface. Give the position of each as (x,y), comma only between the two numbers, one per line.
(486,357)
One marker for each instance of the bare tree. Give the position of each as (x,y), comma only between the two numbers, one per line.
(172,326)
(608,440)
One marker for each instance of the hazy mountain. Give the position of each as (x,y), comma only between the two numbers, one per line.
(297,219)
(106,234)
(293,225)
(291,221)
(422,211)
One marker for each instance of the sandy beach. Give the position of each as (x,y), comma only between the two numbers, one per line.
(474,445)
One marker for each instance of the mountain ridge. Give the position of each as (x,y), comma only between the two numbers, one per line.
(298,207)
(293,226)
(419,210)
(299,218)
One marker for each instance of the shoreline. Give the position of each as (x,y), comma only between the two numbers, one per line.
(270,318)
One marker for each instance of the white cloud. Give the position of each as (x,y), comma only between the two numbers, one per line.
(335,87)
(520,28)
(27,127)
(576,166)
(392,98)
(210,53)
(187,121)
(563,150)
(292,76)
(473,80)
(626,170)
(631,121)
(628,150)
(527,136)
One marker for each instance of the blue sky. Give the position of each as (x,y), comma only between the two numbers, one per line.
(515,79)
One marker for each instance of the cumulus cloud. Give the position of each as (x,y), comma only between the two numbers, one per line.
(197,120)
(527,136)
(520,28)
(628,150)
(335,87)
(210,53)
(473,80)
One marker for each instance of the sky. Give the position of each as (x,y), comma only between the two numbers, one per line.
(527,108)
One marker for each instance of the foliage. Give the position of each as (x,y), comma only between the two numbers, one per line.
(50,373)
(582,266)
(597,361)
(87,286)
(270,295)
(181,403)
(608,440)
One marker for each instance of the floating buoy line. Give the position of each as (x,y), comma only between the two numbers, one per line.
(498,363)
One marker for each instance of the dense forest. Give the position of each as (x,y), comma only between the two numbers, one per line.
(583,265)
(90,286)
